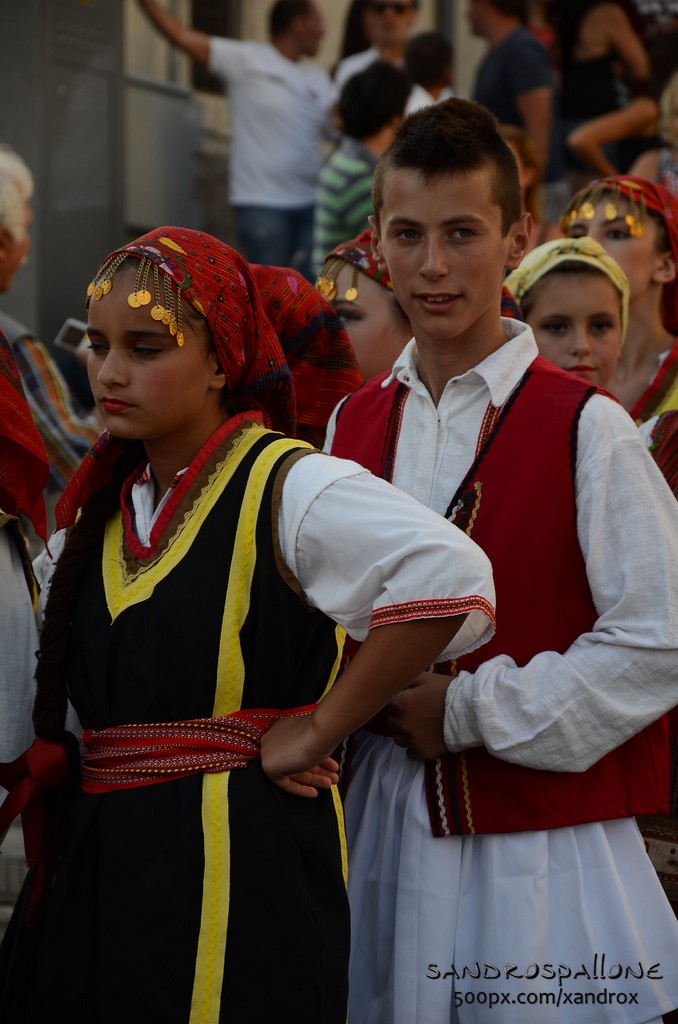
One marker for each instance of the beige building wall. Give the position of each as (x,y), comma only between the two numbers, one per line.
(468,50)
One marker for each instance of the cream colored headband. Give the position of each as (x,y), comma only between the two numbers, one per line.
(546,257)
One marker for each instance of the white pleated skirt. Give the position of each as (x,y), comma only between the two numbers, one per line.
(568,925)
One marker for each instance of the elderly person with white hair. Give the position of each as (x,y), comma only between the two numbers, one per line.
(67,436)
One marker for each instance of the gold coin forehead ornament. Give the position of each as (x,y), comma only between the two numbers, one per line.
(169,314)
(326,287)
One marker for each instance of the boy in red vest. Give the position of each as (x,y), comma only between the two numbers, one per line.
(496,870)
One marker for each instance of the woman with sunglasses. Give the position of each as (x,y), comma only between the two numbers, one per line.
(388,23)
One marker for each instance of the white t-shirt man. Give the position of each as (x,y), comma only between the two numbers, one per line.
(280,114)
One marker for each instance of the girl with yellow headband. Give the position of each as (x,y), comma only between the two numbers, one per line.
(576,300)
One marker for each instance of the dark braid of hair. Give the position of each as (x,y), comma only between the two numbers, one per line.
(49,710)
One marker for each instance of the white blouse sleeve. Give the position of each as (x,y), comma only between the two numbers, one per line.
(646,430)
(43,567)
(18,642)
(366,554)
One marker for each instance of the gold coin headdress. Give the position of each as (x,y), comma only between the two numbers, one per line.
(167,308)
(585,203)
(356,253)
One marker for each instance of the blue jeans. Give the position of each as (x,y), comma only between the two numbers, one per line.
(275,237)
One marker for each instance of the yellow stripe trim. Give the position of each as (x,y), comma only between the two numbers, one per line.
(211,953)
(467,793)
(340,635)
(231,668)
(341,825)
(124,589)
(209,968)
(478,488)
(669,402)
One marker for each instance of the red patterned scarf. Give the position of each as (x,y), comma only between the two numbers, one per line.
(219,284)
(664,447)
(24,466)
(315,344)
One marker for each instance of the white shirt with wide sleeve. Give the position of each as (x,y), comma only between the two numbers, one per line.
(18,644)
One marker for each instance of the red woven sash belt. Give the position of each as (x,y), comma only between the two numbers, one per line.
(128,756)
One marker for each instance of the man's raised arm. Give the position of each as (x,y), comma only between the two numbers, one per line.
(196,44)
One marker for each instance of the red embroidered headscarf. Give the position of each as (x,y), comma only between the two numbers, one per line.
(24,466)
(316,346)
(664,448)
(185,264)
(643,195)
(356,253)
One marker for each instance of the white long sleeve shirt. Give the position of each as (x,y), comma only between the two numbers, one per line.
(621,676)
(18,643)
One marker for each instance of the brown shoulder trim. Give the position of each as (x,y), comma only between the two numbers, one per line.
(281,565)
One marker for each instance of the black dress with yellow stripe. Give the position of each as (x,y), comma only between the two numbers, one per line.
(217,897)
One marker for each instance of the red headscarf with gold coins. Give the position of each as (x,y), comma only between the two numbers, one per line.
(357,253)
(24,466)
(316,346)
(211,276)
(642,196)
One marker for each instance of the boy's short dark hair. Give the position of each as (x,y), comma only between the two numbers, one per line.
(283,13)
(428,58)
(453,137)
(371,98)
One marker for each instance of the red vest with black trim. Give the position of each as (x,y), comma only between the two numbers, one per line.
(518,503)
